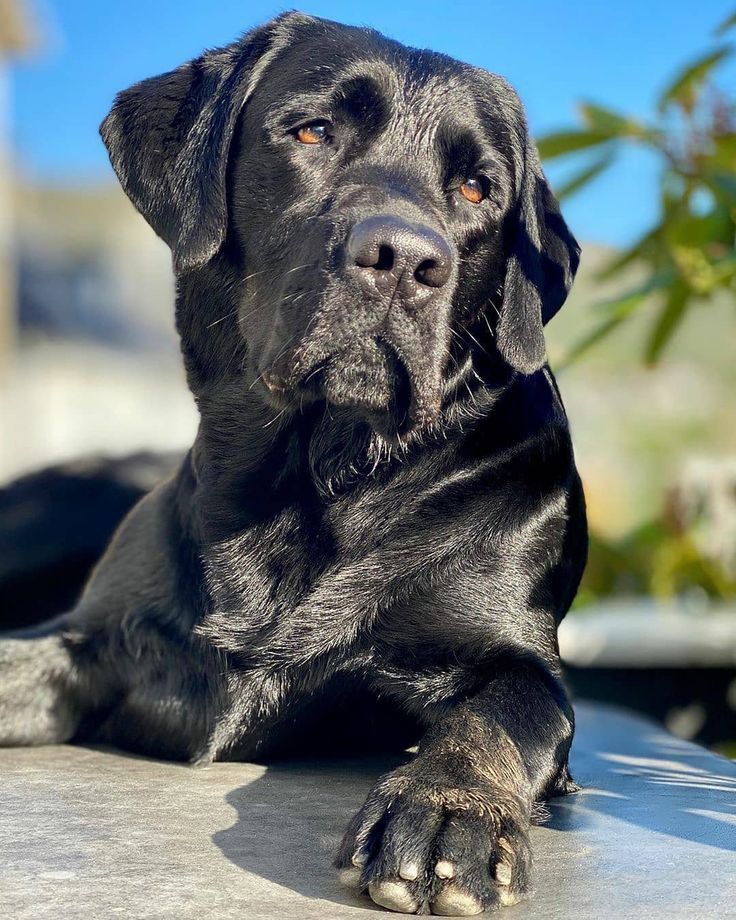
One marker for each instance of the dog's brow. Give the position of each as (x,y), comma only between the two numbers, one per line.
(464,150)
(358,94)
(301,105)
(459,144)
(364,96)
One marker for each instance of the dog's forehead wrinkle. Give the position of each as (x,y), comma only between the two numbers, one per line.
(417,97)
(422,107)
(371,75)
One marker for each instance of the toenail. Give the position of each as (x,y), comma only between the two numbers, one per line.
(444,869)
(392,895)
(507,897)
(452,902)
(503,874)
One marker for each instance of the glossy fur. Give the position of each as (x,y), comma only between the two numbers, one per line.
(380,525)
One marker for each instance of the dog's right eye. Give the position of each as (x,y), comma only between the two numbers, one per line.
(315,133)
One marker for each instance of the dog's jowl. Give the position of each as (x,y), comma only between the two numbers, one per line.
(380,513)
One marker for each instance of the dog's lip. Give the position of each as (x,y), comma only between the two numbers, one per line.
(273,383)
(282,389)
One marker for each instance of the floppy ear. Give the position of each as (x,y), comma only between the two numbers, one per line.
(542,259)
(169,138)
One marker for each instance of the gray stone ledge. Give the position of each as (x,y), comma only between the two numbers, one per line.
(643,633)
(87,833)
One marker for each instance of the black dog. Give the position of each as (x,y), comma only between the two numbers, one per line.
(380,524)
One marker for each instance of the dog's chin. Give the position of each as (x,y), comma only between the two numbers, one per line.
(367,381)
(370,382)
(379,395)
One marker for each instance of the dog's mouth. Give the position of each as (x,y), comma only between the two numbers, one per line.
(367,378)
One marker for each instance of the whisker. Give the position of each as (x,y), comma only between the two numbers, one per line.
(256,379)
(313,372)
(300,267)
(253,274)
(275,419)
(471,336)
(223,318)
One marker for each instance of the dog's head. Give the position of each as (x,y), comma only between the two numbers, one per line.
(373,204)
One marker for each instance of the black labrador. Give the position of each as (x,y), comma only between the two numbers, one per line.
(380,524)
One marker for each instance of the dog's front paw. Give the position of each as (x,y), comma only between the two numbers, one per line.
(417,846)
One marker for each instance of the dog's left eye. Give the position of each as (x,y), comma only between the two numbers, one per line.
(475,189)
(317,132)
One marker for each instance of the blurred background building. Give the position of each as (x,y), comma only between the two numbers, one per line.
(15,39)
(89,359)
(86,292)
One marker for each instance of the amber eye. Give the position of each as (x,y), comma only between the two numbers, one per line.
(474,190)
(316,133)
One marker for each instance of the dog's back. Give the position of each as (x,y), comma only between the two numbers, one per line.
(55,524)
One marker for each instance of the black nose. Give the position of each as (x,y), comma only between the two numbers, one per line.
(390,252)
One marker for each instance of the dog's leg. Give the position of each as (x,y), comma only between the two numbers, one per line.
(122,667)
(449,831)
(44,687)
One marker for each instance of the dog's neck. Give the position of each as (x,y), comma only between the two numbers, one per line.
(312,457)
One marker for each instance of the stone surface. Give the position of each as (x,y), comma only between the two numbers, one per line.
(87,833)
(644,633)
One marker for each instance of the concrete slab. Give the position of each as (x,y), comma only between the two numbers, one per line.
(87,833)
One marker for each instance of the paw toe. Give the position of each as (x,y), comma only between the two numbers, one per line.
(409,870)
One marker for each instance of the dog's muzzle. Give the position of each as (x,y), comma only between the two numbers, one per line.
(381,346)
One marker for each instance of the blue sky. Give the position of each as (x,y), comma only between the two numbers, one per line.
(619,54)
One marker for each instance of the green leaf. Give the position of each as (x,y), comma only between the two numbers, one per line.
(618,310)
(723,186)
(684,88)
(723,155)
(636,253)
(672,314)
(562,142)
(700,230)
(728,23)
(581,179)
(604,121)
(724,271)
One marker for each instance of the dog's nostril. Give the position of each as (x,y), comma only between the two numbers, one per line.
(426,272)
(385,261)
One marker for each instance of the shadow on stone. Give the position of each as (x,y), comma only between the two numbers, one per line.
(291,819)
(652,780)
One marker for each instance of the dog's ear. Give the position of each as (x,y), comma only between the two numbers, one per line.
(542,258)
(169,138)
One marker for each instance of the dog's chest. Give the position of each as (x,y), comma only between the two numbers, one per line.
(278,604)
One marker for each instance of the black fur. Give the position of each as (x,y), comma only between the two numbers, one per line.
(380,513)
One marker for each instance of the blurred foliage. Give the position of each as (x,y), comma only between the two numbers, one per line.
(652,560)
(689,256)
(726,749)
(689,549)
